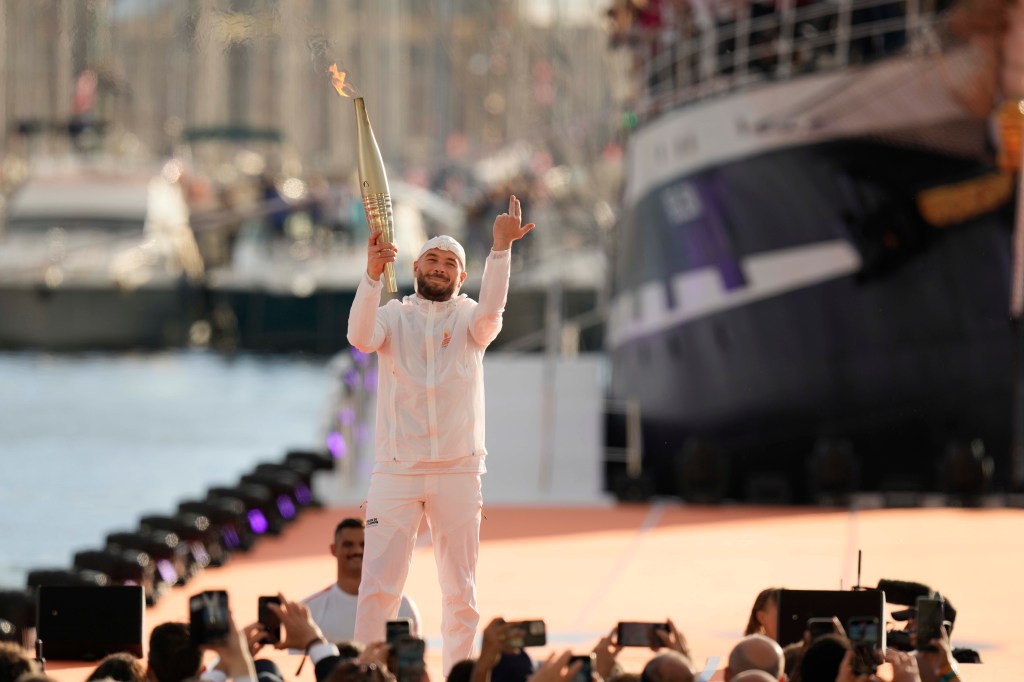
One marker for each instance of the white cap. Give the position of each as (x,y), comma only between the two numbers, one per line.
(445,243)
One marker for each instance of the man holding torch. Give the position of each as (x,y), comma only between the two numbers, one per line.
(429,441)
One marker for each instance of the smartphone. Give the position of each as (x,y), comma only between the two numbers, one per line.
(527,633)
(865,637)
(819,627)
(268,619)
(396,628)
(208,617)
(930,614)
(639,634)
(586,671)
(408,655)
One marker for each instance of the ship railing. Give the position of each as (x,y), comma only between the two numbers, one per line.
(680,61)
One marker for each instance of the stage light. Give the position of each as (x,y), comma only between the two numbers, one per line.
(165,548)
(18,611)
(319,460)
(288,489)
(260,506)
(298,467)
(227,517)
(196,532)
(64,576)
(124,567)
(337,445)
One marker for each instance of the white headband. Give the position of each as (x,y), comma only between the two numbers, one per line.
(445,243)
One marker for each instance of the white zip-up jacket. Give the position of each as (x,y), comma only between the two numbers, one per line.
(430,390)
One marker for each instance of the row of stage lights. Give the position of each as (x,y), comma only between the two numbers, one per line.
(169,550)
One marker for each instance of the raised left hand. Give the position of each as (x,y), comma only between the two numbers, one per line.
(508,227)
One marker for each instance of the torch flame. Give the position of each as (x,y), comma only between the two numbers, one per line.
(338,81)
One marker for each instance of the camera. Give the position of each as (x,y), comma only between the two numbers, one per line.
(865,638)
(640,634)
(268,619)
(586,671)
(396,628)
(408,656)
(208,617)
(527,633)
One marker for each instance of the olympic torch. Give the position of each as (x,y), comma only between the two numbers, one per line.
(373,182)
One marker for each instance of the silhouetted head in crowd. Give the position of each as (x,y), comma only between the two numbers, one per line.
(172,655)
(14,662)
(122,667)
(512,667)
(764,614)
(822,659)
(791,652)
(670,666)
(756,652)
(461,671)
(350,671)
(754,676)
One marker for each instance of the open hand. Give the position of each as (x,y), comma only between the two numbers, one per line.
(508,227)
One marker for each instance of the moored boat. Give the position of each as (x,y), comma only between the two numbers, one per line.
(812,276)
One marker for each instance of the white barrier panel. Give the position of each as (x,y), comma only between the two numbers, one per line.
(544,435)
(544,430)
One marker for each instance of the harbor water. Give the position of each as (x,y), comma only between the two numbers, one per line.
(90,443)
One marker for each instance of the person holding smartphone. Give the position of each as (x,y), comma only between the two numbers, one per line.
(429,445)
(496,652)
(937,658)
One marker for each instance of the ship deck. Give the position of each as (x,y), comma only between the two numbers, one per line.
(584,568)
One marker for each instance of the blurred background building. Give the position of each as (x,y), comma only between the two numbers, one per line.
(469,102)
(444,82)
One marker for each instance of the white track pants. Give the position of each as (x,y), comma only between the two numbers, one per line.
(395,505)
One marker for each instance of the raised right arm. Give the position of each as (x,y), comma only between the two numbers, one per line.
(366,328)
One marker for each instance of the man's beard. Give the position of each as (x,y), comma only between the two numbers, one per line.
(435,290)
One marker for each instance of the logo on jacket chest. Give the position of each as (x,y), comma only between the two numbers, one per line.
(446,338)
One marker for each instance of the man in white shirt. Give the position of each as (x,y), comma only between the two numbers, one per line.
(334,608)
(429,445)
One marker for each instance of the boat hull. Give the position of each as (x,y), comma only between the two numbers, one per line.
(71,318)
(772,303)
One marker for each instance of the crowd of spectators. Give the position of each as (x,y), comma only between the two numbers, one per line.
(823,655)
(173,656)
(680,43)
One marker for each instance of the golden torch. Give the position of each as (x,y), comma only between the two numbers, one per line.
(373,181)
